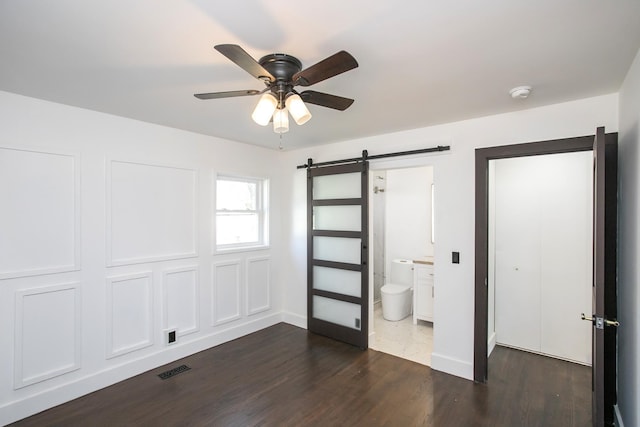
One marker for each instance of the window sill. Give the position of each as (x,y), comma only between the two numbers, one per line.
(221,251)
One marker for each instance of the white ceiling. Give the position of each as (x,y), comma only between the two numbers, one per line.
(421,62)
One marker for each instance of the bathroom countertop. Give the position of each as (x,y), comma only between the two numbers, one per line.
(426,260)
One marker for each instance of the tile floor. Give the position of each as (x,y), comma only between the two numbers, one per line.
(403,338)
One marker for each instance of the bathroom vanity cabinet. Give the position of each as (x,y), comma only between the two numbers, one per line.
(423,292)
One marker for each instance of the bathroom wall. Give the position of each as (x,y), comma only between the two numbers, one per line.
(408,214)
(377,204)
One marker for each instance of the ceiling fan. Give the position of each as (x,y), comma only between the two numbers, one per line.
(281,73)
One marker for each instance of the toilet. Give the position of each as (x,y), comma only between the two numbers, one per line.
(397,293)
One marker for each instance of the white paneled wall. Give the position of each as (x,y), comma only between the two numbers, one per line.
(47,324)
(151,212)
(39,219)
(180,300)
(258,284)
(106,232)
(129,313)
(225,303)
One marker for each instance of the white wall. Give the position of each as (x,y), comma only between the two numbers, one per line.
(106,240)
(454,210)
(628,248)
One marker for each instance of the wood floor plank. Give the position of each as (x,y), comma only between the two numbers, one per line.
(285,376)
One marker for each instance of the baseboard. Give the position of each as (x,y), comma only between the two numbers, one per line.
(452,366)
(491,344)
(617,416)
(294,319)
(25,407)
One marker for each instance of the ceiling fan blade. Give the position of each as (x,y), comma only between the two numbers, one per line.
(326,100)
(328,67)
(245,61)
(229,94)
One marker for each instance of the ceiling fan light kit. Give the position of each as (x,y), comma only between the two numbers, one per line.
(280,73)
(264,109)
(281,121)
(298,110)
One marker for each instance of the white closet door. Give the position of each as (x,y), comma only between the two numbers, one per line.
(517,255)
(543,244)
(567,256)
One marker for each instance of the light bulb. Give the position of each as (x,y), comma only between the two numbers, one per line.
(298,110)
(281,121)
(264,110)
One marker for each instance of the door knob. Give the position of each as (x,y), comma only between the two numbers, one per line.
(600,322)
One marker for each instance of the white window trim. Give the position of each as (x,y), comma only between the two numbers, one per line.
(262,210)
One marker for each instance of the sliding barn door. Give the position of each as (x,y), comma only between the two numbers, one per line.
(337,252)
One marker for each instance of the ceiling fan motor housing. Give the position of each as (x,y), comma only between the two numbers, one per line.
(283,67)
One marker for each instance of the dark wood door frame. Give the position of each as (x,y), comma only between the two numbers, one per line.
(483,155)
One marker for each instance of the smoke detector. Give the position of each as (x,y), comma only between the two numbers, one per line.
(520,92)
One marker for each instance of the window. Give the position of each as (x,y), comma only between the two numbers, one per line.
(241,212)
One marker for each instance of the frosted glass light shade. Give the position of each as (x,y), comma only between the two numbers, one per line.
(281,121)
(298,110)
(264,110)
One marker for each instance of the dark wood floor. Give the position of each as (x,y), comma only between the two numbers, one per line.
(284,376)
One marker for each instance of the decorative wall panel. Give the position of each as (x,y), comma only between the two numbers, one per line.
(47,322)
(226,292)
(39,219)
(181,299)
(129,313)
(258,285)
(151,213)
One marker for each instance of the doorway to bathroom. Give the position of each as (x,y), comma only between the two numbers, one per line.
(401,206)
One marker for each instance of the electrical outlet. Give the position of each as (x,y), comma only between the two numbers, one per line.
(171,336)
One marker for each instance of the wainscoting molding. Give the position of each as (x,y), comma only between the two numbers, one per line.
(180,299)
(129,306)
(258,284)
(151,211)
(40,227)
(47,322)
(226,292)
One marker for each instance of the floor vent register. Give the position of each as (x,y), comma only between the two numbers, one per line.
(173,372)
